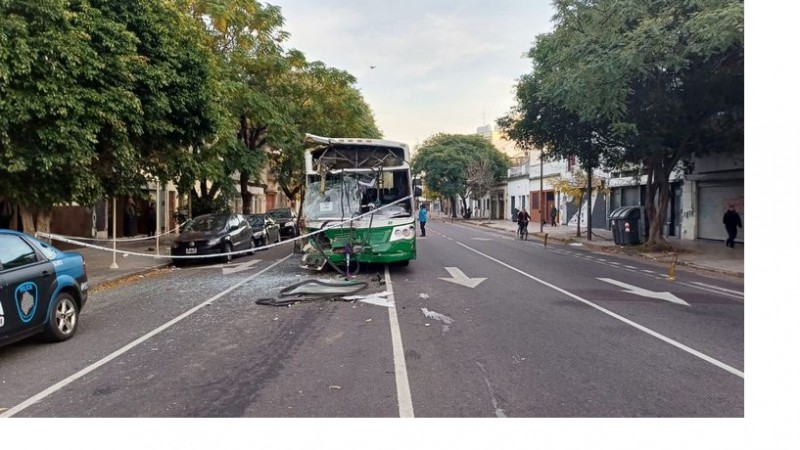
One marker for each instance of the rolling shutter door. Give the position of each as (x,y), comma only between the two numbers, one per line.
(713,201)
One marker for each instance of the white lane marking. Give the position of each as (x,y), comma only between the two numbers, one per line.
(647,271)
(446,321)
(233,268)
(635,290)
(631,267)
(405,407)
(718,288)
(460,278)
(655,334)
(66,381)
(714,291)
(376,298)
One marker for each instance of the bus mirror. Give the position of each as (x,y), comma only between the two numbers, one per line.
(417,191)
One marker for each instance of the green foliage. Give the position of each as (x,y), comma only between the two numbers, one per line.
(95,95)
(665,78)
(271,97)
(66,87)
(445,158)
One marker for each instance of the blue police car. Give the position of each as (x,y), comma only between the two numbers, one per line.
(42,289)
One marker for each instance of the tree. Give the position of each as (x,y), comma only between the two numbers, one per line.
(322,101)
(668,75)
(96,95)
(445,158)
(577,186)
(245,37)
(480,179)
(538,120)
(272,97)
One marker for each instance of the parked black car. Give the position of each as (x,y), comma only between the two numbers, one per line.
(285,218)
(42,289)
(213,234)
(265,230)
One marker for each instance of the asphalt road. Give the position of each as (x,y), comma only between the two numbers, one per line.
(549,332)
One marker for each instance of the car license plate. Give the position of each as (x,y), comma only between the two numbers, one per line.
(191,251)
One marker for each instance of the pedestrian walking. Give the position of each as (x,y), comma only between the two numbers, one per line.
(151,219)
(423,218)
(732,222)
(553,215)
(129,224)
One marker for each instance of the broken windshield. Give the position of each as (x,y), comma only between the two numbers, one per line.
(343,196)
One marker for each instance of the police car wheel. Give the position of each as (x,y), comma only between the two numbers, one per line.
(63,320)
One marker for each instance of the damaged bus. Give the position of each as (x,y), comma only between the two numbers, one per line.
(348,178)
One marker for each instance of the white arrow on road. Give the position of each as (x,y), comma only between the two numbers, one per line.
(458,277)
(229,268)
(668,296)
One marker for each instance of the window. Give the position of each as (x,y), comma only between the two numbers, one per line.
(15,252)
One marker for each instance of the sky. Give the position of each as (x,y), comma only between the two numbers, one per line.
(440,65)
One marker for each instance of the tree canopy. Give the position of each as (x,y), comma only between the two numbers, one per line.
(446,160)
(665,77)
(99,97)
(95,96)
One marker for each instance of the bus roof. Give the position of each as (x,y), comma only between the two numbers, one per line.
(322,140)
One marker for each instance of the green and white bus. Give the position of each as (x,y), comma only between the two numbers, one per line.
(351,177)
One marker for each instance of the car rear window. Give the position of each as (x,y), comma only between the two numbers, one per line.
(280,214)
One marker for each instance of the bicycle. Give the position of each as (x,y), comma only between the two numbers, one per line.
(522,232)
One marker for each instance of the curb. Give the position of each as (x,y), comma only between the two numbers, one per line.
(591,246)
(126,277)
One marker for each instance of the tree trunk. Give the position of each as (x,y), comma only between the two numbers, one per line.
(453,206)
(35,219)
(658,192)
(247,196)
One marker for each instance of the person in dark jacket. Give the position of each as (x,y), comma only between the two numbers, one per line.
(522,219)
(151,219)
(553,215)
(732,222)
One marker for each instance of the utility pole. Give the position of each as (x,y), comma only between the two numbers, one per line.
(589,205)
(114,264)
(541,188)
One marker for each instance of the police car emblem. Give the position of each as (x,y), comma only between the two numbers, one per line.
(27,297)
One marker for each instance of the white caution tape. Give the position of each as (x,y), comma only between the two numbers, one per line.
(340,223)
(123,240)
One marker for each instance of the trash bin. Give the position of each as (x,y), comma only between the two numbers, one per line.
(625,225)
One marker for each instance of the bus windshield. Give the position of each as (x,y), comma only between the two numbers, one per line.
(345,195)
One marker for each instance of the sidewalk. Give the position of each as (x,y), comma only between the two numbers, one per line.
(701,254)
(98,262)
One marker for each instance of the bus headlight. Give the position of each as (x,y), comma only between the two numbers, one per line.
(403,232)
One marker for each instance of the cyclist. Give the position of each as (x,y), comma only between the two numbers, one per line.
(522,219)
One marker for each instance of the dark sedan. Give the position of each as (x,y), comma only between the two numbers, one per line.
(42,289)
(213,234)
(285,218)
(265,230)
